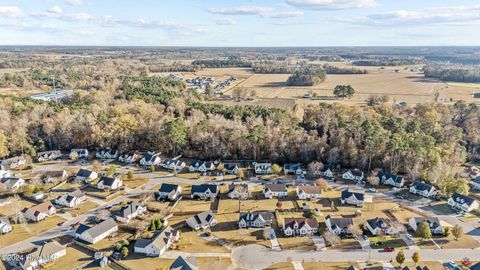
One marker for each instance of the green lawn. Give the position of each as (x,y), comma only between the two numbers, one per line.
(386,241)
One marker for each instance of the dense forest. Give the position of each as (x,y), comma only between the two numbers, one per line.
(425,141)
(222,63)
(307,75)
(456,73)
(329,69)
(271,67)
(387,62)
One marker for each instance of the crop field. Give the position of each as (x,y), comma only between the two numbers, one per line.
(398,83)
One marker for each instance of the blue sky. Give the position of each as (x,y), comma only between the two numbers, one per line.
(240,22)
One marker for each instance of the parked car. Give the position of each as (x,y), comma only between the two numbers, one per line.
(372,190)
(452,265)
(389,249)
(409,237)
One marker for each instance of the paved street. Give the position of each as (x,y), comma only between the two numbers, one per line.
(259,257)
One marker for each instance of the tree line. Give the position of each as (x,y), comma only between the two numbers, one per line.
(456,73)
(308,75)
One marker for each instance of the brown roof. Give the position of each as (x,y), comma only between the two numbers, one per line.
(310,189)
(42,208)
(240,188)
(313,223)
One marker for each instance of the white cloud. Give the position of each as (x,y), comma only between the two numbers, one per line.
(265,12)
(56,10)
(225,21)
(242,10)
(10,11)
(287,14)
(332,4)
(75,2)
(436,15)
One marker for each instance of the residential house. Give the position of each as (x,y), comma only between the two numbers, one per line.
(41,255)
(79,153)
(309,192)
(378,226)
(48,155)
(12,183)
(40,211)
(71,199)
(109,183)
(173,165)
(255,220)
(54,176)
(433,222)
(275,191)
(325,172)
(391,179)
(169,192)
(353,174)
(158,244)
(181,263)
(130,211)
(462,203)
(150,158)
(262,168)
(201,166)
(353,197)
(202,221)
(293,168)
(130,157)
(86,175)
(13,162)
(423,189)
(238,191)
(476,183)
(339,226)
(300,226)
(94,234)
(107,153)
(231,168)
(204,192)
(5,226)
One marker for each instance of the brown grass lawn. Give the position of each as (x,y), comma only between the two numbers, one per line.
(348,243)
(213,263)
(83,208)
(449,242)
(142,262)
(22,232)
(191,242)
(328,265)
(281,266)
(134,183)
(403,215)
(187,208)
(15,206)
(298,243)
(108,242)
(74,258)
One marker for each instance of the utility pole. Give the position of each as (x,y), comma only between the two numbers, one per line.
(53,79)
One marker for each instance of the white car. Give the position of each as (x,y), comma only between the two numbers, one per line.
(372,190)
